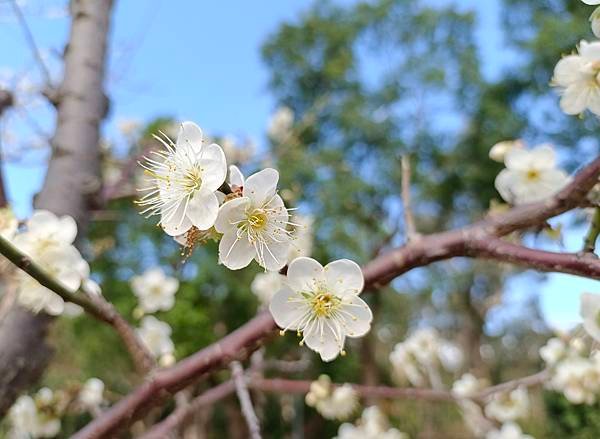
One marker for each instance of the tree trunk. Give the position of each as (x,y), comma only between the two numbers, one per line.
(72,180)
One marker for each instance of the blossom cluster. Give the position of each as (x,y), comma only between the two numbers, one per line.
(198,197)
(373,424)
(39,416)
(48,240)
(332,403)
(418,358)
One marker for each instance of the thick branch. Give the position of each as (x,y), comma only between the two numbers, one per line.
(377,273)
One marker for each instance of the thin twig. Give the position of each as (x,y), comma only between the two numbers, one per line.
(409,220)
(93,304)
(31,41)
(592,235)
(237,372)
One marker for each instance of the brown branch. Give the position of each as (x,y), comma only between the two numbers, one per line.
(241,388)
(377,273)
(6,101)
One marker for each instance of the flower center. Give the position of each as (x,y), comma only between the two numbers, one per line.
(324,304)
(257,219)
(193,179)
(533,175)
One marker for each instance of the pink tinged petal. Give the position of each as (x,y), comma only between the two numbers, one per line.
(189,134)
(504,185)
(304,274)
(234,252)
(275,255)
(174,221)
(357,316)
(543,157)
(344,277)
(203,209)
(213,167)
(287,309)
(236,178)
(231,213)
(567,70)
(260,187)
(324,339)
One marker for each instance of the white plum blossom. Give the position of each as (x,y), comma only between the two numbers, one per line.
(265,285)
(508,406)
(509,430)
(184,179)
(322,304)
(8,223)
(280,124)
(302,238)
(338,403)
(254,226)
(468,385)
(45,231)
(34,417)
(418,358)
(578,379)
(590,312)
(553,351)
(372,425)
(155,290)
(576,77)
(91,394)
(530,175)
(499,150)
(156,336)
(48,240)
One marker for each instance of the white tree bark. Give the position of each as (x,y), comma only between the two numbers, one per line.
(72,180)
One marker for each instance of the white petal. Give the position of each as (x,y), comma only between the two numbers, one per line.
(236,178)
(275,255)
(304,274)
(260,187)
(55,305)
(518,159)
(574,99)
(543,157)
(590,312)
(591,2)
(325,340)
(286,313)
(234,252)
(67,231)
(590,51)
(203,209)
(174,221)
(567,70)
(230,213)
(359,322)
(189,134)
(504,184)
(213,167)
(344,277)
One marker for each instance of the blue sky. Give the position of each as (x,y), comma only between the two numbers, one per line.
(200,61)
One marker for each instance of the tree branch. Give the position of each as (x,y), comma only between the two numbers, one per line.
(377,273)
(241,389)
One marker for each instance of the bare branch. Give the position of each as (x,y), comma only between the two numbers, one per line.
(237,372)
(31,42)
(409,220)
